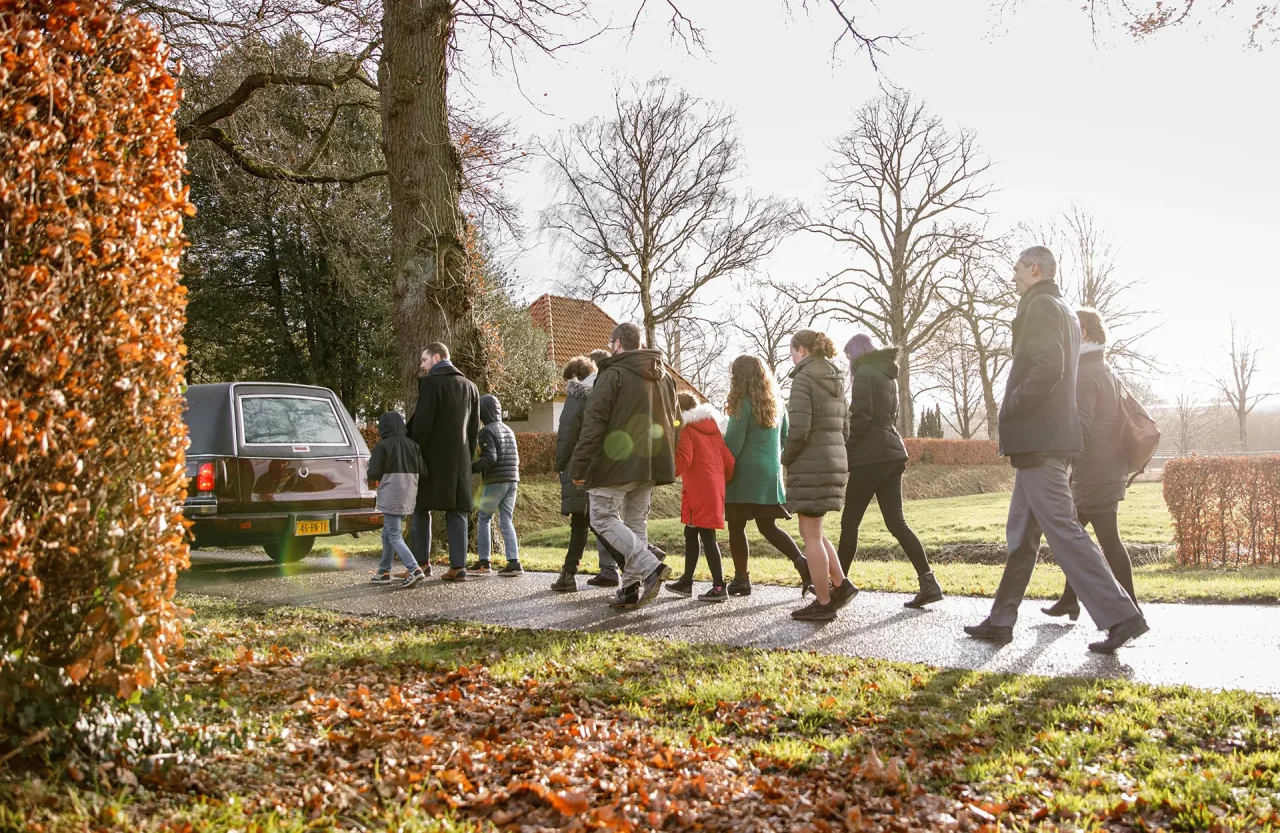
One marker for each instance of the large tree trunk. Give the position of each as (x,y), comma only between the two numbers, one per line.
(433,288)
(989,403)
(906,403)
(1243,417)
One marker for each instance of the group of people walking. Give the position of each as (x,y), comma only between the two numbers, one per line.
(831,447)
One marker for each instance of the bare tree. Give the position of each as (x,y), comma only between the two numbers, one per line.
(696,346)
(1236,381)
(414,45)
(1194,420)
(765,318)
(984,306)
(951,361)
(1091,275)
(903,192)
(646,202)
(1260,24)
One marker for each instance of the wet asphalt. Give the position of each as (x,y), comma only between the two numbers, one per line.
(1205,646)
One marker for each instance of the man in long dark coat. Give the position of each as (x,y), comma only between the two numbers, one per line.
(445,425)
(1040,434)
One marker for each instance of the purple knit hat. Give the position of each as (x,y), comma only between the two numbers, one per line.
(859,346)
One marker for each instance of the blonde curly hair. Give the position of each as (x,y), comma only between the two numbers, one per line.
(750,380)
(816,342)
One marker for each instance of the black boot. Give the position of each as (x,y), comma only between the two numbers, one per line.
(740,586)
(566,583)
(930,592)
(806,582)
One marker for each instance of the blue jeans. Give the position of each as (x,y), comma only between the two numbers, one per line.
(499,499)
(455,524)
(393,544)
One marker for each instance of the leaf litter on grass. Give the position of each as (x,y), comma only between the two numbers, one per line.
(323,735)
(531,755)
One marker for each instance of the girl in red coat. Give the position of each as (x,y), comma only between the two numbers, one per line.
(704,465)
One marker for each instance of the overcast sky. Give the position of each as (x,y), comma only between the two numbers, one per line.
(1171,142)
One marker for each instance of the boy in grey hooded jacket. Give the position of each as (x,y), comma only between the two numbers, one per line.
(394,467)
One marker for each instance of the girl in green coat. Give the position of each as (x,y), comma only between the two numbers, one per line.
(755,436)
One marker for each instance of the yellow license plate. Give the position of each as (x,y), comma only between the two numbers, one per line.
(312,528)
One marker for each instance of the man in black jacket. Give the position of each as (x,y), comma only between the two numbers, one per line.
(446,426)
(1040,434)
(625,448)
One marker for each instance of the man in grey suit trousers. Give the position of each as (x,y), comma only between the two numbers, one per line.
(1040,434)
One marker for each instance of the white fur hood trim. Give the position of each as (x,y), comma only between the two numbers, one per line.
(704,412)
(581,387)
(1087,347)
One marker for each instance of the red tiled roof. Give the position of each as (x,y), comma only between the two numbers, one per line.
(575,327)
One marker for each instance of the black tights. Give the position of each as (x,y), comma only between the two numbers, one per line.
(883,481)
(739,549)
(692,535)
(1106,526)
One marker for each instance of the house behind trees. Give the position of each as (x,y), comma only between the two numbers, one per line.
(574,327)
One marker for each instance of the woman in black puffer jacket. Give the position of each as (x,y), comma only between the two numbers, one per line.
(877,460)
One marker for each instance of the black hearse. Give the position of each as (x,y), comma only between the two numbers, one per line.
(276,465)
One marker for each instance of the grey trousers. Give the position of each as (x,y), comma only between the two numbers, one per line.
(1042,502)
(621,515)
(608,567)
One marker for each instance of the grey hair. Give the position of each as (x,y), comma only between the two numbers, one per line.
(1042,257)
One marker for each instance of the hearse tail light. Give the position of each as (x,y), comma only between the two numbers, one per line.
(204,480)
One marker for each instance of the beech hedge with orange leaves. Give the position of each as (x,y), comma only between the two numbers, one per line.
(1226,510)
(954,452)
(91,357)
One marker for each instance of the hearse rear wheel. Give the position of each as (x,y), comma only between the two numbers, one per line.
(290,549)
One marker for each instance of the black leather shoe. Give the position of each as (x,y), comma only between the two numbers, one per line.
(627,597)
(740,586)
(842,595)
(1060,608)
(602,581)
(1117,635)
(1001,634)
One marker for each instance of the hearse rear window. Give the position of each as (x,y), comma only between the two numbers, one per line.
(289,420)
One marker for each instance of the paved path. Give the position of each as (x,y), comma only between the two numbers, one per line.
(1207,646)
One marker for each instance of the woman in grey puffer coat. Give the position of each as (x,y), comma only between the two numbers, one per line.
(817,465)
(1100,475)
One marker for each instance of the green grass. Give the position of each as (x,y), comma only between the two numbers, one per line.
(1082,750)
(940,522)
(1165,582)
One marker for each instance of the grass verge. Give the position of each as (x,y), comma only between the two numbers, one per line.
(973,519)
(287,719)
(1165,582)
